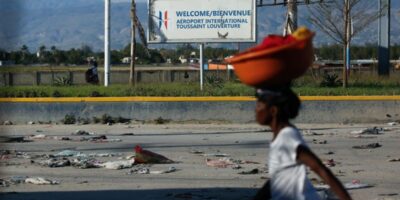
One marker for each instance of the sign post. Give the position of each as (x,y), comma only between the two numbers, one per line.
(106,42)
(201,62)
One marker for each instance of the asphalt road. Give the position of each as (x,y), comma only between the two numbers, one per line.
(189,145)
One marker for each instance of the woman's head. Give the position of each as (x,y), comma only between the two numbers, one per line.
(280,104)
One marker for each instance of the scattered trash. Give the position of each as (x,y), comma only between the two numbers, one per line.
(388,194)
(40,181)
(69,153)
(145,170)
(65,138)
(31,123)
(196,151)
(55,162)
(392,123)
(368,146)
(329,153)
(315,141)
(85,163)
(4,183)
(219,163)
(146,156)
(311,133)
(216,155)
(330,163)
(38,136)
(358,170)
(394,160)
(83,182)
(236,167)
(121,164)
(10,139)
(106,155)
(253,171)
(126,134)
(82,132)
(7,123)
(356,184)
(17,179)
(368,131)
(169,170)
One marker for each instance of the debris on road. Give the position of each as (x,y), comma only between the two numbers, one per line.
(219,163)
(356,184)
(393,123)
(41,181)
(146,156)
(126,134)
(145,170)
(311,133)
(368,131)
(215,155)
(38,137)
(7,123)
(315,141)
(69,153)
(55,162)
(330,163)
(196,151)
(85,163)
(120,164)
(10,139)
(368,146)
(82,132)
(253,171)
(394,160)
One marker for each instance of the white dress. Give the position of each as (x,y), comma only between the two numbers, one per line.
(288,177)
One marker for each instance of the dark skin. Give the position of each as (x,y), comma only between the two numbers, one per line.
(267,115)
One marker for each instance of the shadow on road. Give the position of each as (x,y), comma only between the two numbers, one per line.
(145,194)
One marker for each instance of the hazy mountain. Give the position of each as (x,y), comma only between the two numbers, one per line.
(72,23)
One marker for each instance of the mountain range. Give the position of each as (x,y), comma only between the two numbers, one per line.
(69,24)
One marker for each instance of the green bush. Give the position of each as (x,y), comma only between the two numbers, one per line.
(330,80)
(69,119)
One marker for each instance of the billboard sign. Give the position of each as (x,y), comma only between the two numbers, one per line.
(176,21)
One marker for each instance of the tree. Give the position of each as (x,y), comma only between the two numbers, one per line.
(341,20)
(24,54)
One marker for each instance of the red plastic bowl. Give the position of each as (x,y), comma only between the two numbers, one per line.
(274,66)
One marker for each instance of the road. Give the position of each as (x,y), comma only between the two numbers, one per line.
(189,145)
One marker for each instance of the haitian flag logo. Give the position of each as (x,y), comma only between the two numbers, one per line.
(163,19)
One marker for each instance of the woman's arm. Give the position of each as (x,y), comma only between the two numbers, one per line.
(306,156)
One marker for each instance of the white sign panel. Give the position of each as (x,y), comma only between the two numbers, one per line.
(174,21)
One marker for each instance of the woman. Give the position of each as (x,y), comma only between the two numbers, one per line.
(289,154)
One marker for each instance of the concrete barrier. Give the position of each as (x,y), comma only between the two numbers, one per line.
(201,109)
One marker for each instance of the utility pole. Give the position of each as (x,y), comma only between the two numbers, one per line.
(291,17)
(346,51)
(384,38)
(133,43)
(106,42)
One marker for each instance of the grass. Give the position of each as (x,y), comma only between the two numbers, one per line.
(181,89)
(360,84)
(170,89)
